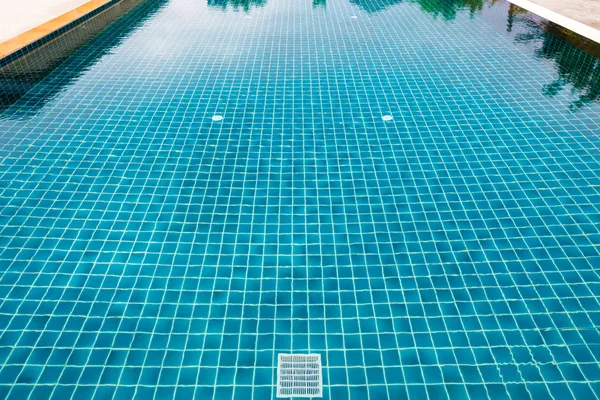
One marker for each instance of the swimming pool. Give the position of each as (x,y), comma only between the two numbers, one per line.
(410,189)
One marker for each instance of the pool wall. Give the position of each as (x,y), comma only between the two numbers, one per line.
(23,68)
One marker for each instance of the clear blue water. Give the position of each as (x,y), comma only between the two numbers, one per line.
(147,251)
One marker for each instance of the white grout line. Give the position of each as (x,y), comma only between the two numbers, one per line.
(571,24)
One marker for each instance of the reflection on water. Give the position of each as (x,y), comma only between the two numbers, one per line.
(574,67)
(375,6)
(23,74)
(245,5)
(447,9)
(577,70)
(319,3)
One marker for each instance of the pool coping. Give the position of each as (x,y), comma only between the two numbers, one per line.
(26,41)
(575,26)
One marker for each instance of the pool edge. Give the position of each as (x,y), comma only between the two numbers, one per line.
(577,27)
(21,44)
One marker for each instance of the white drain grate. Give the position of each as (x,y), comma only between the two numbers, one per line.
(299,375)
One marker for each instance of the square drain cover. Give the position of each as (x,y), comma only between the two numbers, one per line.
(299,375)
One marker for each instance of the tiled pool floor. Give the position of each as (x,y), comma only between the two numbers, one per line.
(147,251)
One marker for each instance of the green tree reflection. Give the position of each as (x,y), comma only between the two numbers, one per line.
(375,5)
(319,3)
(577,70)
(447,9)
(245,5)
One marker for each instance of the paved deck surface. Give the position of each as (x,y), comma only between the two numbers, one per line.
(584,11)
(18,16)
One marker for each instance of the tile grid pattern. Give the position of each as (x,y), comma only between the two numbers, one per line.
(147,251)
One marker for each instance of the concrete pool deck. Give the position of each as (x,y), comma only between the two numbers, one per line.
(585,11)
(19,16)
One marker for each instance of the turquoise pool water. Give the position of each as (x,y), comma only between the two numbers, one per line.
(410,189)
